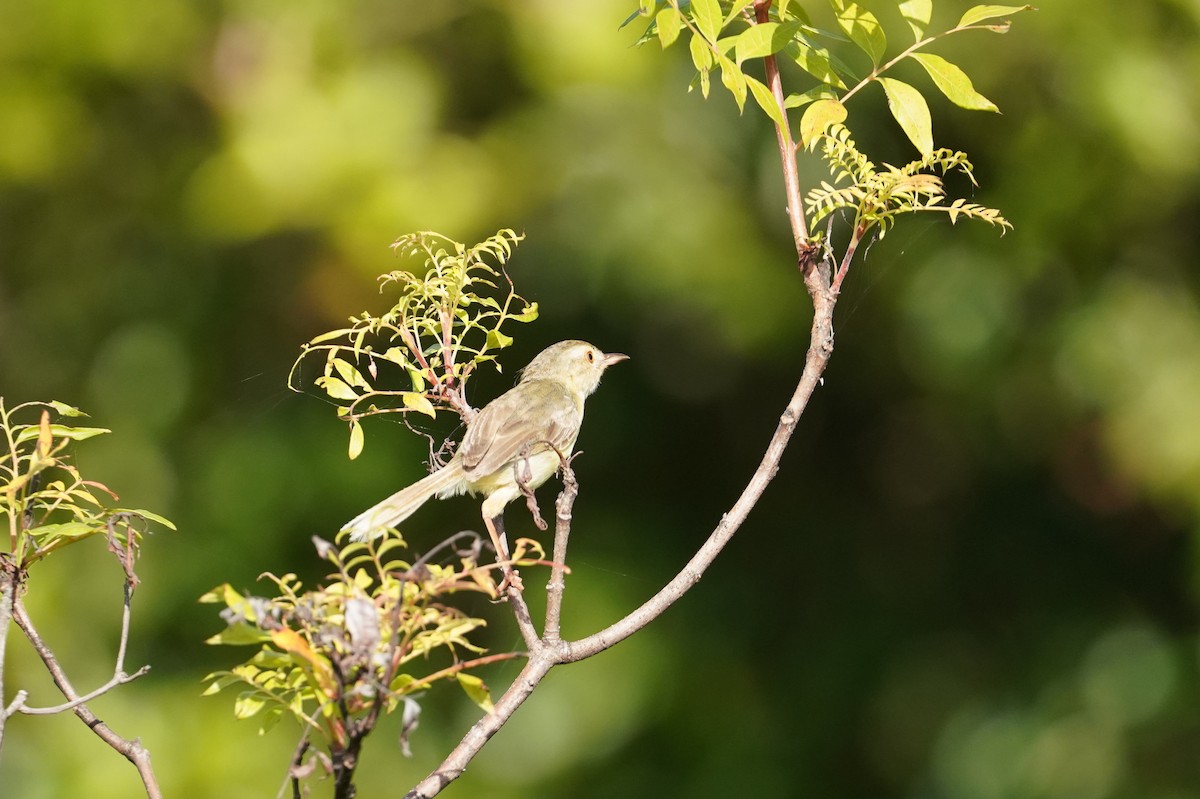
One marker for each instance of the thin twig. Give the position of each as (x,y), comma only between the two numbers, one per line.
(562,532)
(132,750)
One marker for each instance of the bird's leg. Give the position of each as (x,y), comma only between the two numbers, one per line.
(495,526)
(524,473)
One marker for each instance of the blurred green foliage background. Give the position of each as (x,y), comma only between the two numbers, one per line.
(975,575)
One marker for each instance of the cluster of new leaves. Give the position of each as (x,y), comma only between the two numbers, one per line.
(725,34)
(877,195)
(444,322)
(44,499)
(338,656)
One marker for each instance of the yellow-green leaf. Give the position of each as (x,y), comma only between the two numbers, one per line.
(734,80)
(917,13)
(765,39)
(707,14)
(669,22)
(862,27)
(980,13)
(816,62)
(350,374)
(356,440)
(765,99)
(336,388)
(818,116)
(419,403)
(954,83)
(476,690)
(911,111)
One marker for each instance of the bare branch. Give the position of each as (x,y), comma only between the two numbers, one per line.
(456,762)
(132,750)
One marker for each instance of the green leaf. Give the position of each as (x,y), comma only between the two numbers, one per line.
(980,13)
(735,10)
(765,100)
(669,23)
(765,39)
(862,27)
(67,530)
(350,374)
(419,403)
(954,83)
(702,58)
(812,95)
(818,116)
(63,409)
(497,340)
(917,13)
(527,314)
(62,431)
(356,439)
(911,111)
(476,690)
(149,516)
(239,635)
(734,80)
(336,388)
(707,14)
(816,61)
(248,703)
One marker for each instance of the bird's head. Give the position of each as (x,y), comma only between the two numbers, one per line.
(576,364)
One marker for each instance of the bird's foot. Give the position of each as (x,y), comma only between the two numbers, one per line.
(511,580)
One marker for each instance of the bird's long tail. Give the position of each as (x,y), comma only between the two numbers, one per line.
(375,520)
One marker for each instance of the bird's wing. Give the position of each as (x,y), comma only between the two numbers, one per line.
(516,419)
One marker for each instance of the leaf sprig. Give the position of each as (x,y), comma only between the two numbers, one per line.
(877,195)
(338,656)
(44,499)
(725,34)
(445,322)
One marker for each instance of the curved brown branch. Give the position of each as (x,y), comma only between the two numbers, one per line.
(133,750)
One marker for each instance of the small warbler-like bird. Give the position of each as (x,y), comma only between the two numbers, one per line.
(518,439)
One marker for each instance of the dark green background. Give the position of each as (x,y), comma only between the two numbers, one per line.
(975,573)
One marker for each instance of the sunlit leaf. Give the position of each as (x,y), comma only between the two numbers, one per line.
(953,82)
(817,117)
(149,516)
(476,690)
(63,409)
(336,389)
(350,374)
(765,99)
(669,23)
(61,431)
(239,635)
(765,39)
(498,340)
(707,14)
(734,80)
(909,108)
(862,27)
(357,439)
(980,13)
(816,61)
(418,403)
(917,13)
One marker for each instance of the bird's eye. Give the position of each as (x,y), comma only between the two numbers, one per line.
(591,356)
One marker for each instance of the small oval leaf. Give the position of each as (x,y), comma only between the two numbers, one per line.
(909,108)
(817,117)
(419,403)
(980,13)
(954,83)
(357,440)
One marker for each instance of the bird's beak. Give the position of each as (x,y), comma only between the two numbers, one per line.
(614,357)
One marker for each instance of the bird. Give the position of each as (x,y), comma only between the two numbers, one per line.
(515,443)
